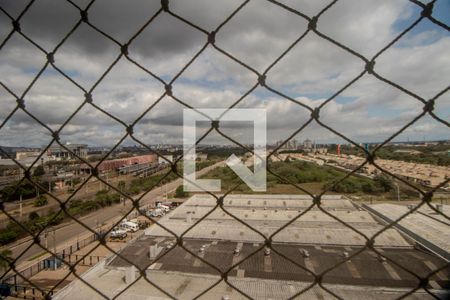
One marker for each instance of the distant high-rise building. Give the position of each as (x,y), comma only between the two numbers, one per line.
(307,144)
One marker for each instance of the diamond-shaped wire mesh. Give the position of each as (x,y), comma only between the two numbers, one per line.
(122,54)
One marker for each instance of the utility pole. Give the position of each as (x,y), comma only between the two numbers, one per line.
(398,191)
(54,246)
(20,205)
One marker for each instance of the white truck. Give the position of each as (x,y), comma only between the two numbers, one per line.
(157,212)
(163,207)
(129,226)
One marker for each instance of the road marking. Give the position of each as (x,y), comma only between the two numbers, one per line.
(292,289)
(394,275)
(433,267)
(197,262)
(353,270)
(434,284)
(309,265)
(155,266)
(416,255)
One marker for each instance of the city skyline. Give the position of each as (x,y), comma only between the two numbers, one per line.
(369,110)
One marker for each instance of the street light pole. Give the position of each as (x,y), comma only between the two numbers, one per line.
(398,191)
(20,205)
(54,245)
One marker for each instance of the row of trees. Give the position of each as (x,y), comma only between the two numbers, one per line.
(26,189)
(305,172)
(77,207)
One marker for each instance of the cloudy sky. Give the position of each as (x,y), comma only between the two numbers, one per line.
(369,110)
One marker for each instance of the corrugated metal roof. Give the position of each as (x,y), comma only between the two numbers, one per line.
(314,227)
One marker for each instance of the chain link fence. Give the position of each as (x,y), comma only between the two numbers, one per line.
(210,41)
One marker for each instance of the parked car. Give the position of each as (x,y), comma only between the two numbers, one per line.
(118,234)
(163,207)
(157,212)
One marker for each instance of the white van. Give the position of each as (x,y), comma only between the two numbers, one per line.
(163,207)
(157,212)
(130,226)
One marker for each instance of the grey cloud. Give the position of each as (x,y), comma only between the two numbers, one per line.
(257,35)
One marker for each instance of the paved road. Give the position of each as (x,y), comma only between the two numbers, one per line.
(72,229)
(88,190)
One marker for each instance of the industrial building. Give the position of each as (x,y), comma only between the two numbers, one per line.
(312,244)
(423,224)
(123,165)
(59,152)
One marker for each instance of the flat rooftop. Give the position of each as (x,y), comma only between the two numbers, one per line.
(188,286)
(366,269)
(184,276)
(269,213)
(425,222)
(280,274)
(270,201)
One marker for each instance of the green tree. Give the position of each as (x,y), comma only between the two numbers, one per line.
(368,187)
(180,193)
(121,185)
(13,191)
(39,171)
(40,201)
(5,258)
(76,181)
(33,216)
(384,183)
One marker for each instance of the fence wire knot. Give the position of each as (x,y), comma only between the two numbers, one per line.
(168,89)
(215,124)
(165,5)
(429,106)
(312,25)
(21,103)
(88,97)
(427,10)
(212,37)
(124,49)
(16,26)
